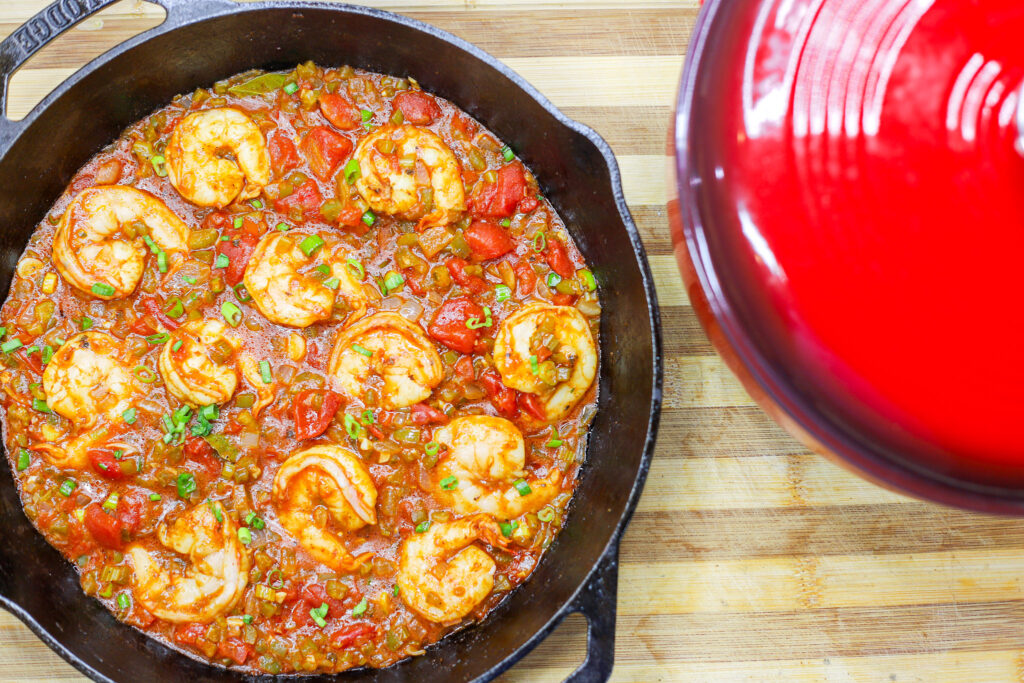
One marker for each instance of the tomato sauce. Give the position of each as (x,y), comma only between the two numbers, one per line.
(102,487)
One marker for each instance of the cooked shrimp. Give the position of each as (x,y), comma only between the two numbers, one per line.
(549,351)
(441,574)
(197,157)
(409,172)
(486,456)
(201,370)
(97,248)
(264,391)
(287,295)
(388,353)
(214,579)
(88,378)
(321,485)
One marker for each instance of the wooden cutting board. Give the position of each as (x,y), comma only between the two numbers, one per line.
(748,558)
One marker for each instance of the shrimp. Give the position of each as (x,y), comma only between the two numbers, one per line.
(200,370)
(486,457)
(88,378)
(211,583)
(287,296)
(388,353)
(409,172)
(549,351)
(264,391)
(318,485)
(96,247)
(197,157)
(441,574)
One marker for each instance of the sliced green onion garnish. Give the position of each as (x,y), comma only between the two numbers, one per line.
(369,217)
(367,417)
(210,412)
(123,601)
(186,485)
(189,279)
(332,283)
(161,261)
(507,152)
(323,269)
(366,114)
(158,338)
(449,483)
(546,514)
(254,521)
(68,487)
(154,497)
(422,527)
(393,281)
(502,293)
(246,618)
(311,245)
(362,350)
(222,261)
(257,203)
(356,267)
(352,171)
(238,222)
(232,313)
(244,535)
(283,227)
(85,323)
(507,528)
(265,373)
(39,405)
(352,427)
(534,366)
(360,609)
(11,345)
(144,374)
(521,486)
(506,222)
(24,459)
(241,293)
(540,241)
(102,289)
(431,447)
(290,87)
(176,309)
(553,279)
(129,416)
(176,345)
(159,166)
(318,614)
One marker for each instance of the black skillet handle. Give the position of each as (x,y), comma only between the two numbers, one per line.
(597,601)
(58,17)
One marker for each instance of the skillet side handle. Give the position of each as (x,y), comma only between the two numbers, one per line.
(30,38)
(597,602)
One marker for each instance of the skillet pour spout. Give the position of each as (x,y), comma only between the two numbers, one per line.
(202,41)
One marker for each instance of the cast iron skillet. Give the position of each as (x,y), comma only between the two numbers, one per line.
(202,41)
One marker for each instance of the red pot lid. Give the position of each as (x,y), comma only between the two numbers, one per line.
(862,198)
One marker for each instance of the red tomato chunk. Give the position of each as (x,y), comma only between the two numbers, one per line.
(417,107)
(499,199)
(325,149)
(339,111)
(448,325)
(488,241)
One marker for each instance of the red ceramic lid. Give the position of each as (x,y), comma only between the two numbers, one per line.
(859,199)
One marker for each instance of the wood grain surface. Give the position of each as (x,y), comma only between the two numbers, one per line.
(748,558)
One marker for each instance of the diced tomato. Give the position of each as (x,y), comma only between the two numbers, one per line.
(339,111)
(526,278)
(325,149)
(311,422)
(423,414)
(314,594)
(448,325)
(528,204)
(143,326)
(31,360)
(283,155)
(299,614)
(499,199)
(531,405)
(413,280)
(238,249)
(487,240)
(349,635)
(303,203)
(234,649)
(502,397)
(105,529)
(457,268)
(153,308)
(464,369)
(558,258)
(130,509)
(188,635)
(562,299)
(352,217)
(199,451)
(463,126)
(417,107)
(105,464)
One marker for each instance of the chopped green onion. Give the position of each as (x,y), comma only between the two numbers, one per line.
(222,261)
(189,279)
(506,222)
(123,601)
(311,245)
(362,350)
(352,171)
(176,309)
(32,349)
(352,427)
(291,87)
(129,416)
(555,441)
(144,374)
(357,268)
(507,152)
(11,345)
(111,502)
(153,247)
(369,217)
(85,323)
(118,454)
(323,269)
(161,261)
(332,283)
(366,114)
(449,483)
(241,293)
(367,417)
(265,373)
(158,338)
(154,497)
(393,281)
(534,366)
(102,289)
(422,527)
(186,485)
(68,487)
(231,313)
(360,609)
(588,279)
(546,514)
(176,345)
(254,521)
(24,459)
(507,528)
(246,618)
(59,341)
(238,222)
(210,412)
(40,405)
(475,323)
(283,227)
(521,486)
(431,447)
(257,203)
(395,591)
(318,614)
(540,241)
(159,165)
(502,293)
(215,511)
(244,535)
(553,279)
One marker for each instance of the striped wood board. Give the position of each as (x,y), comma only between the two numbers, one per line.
(749,558)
